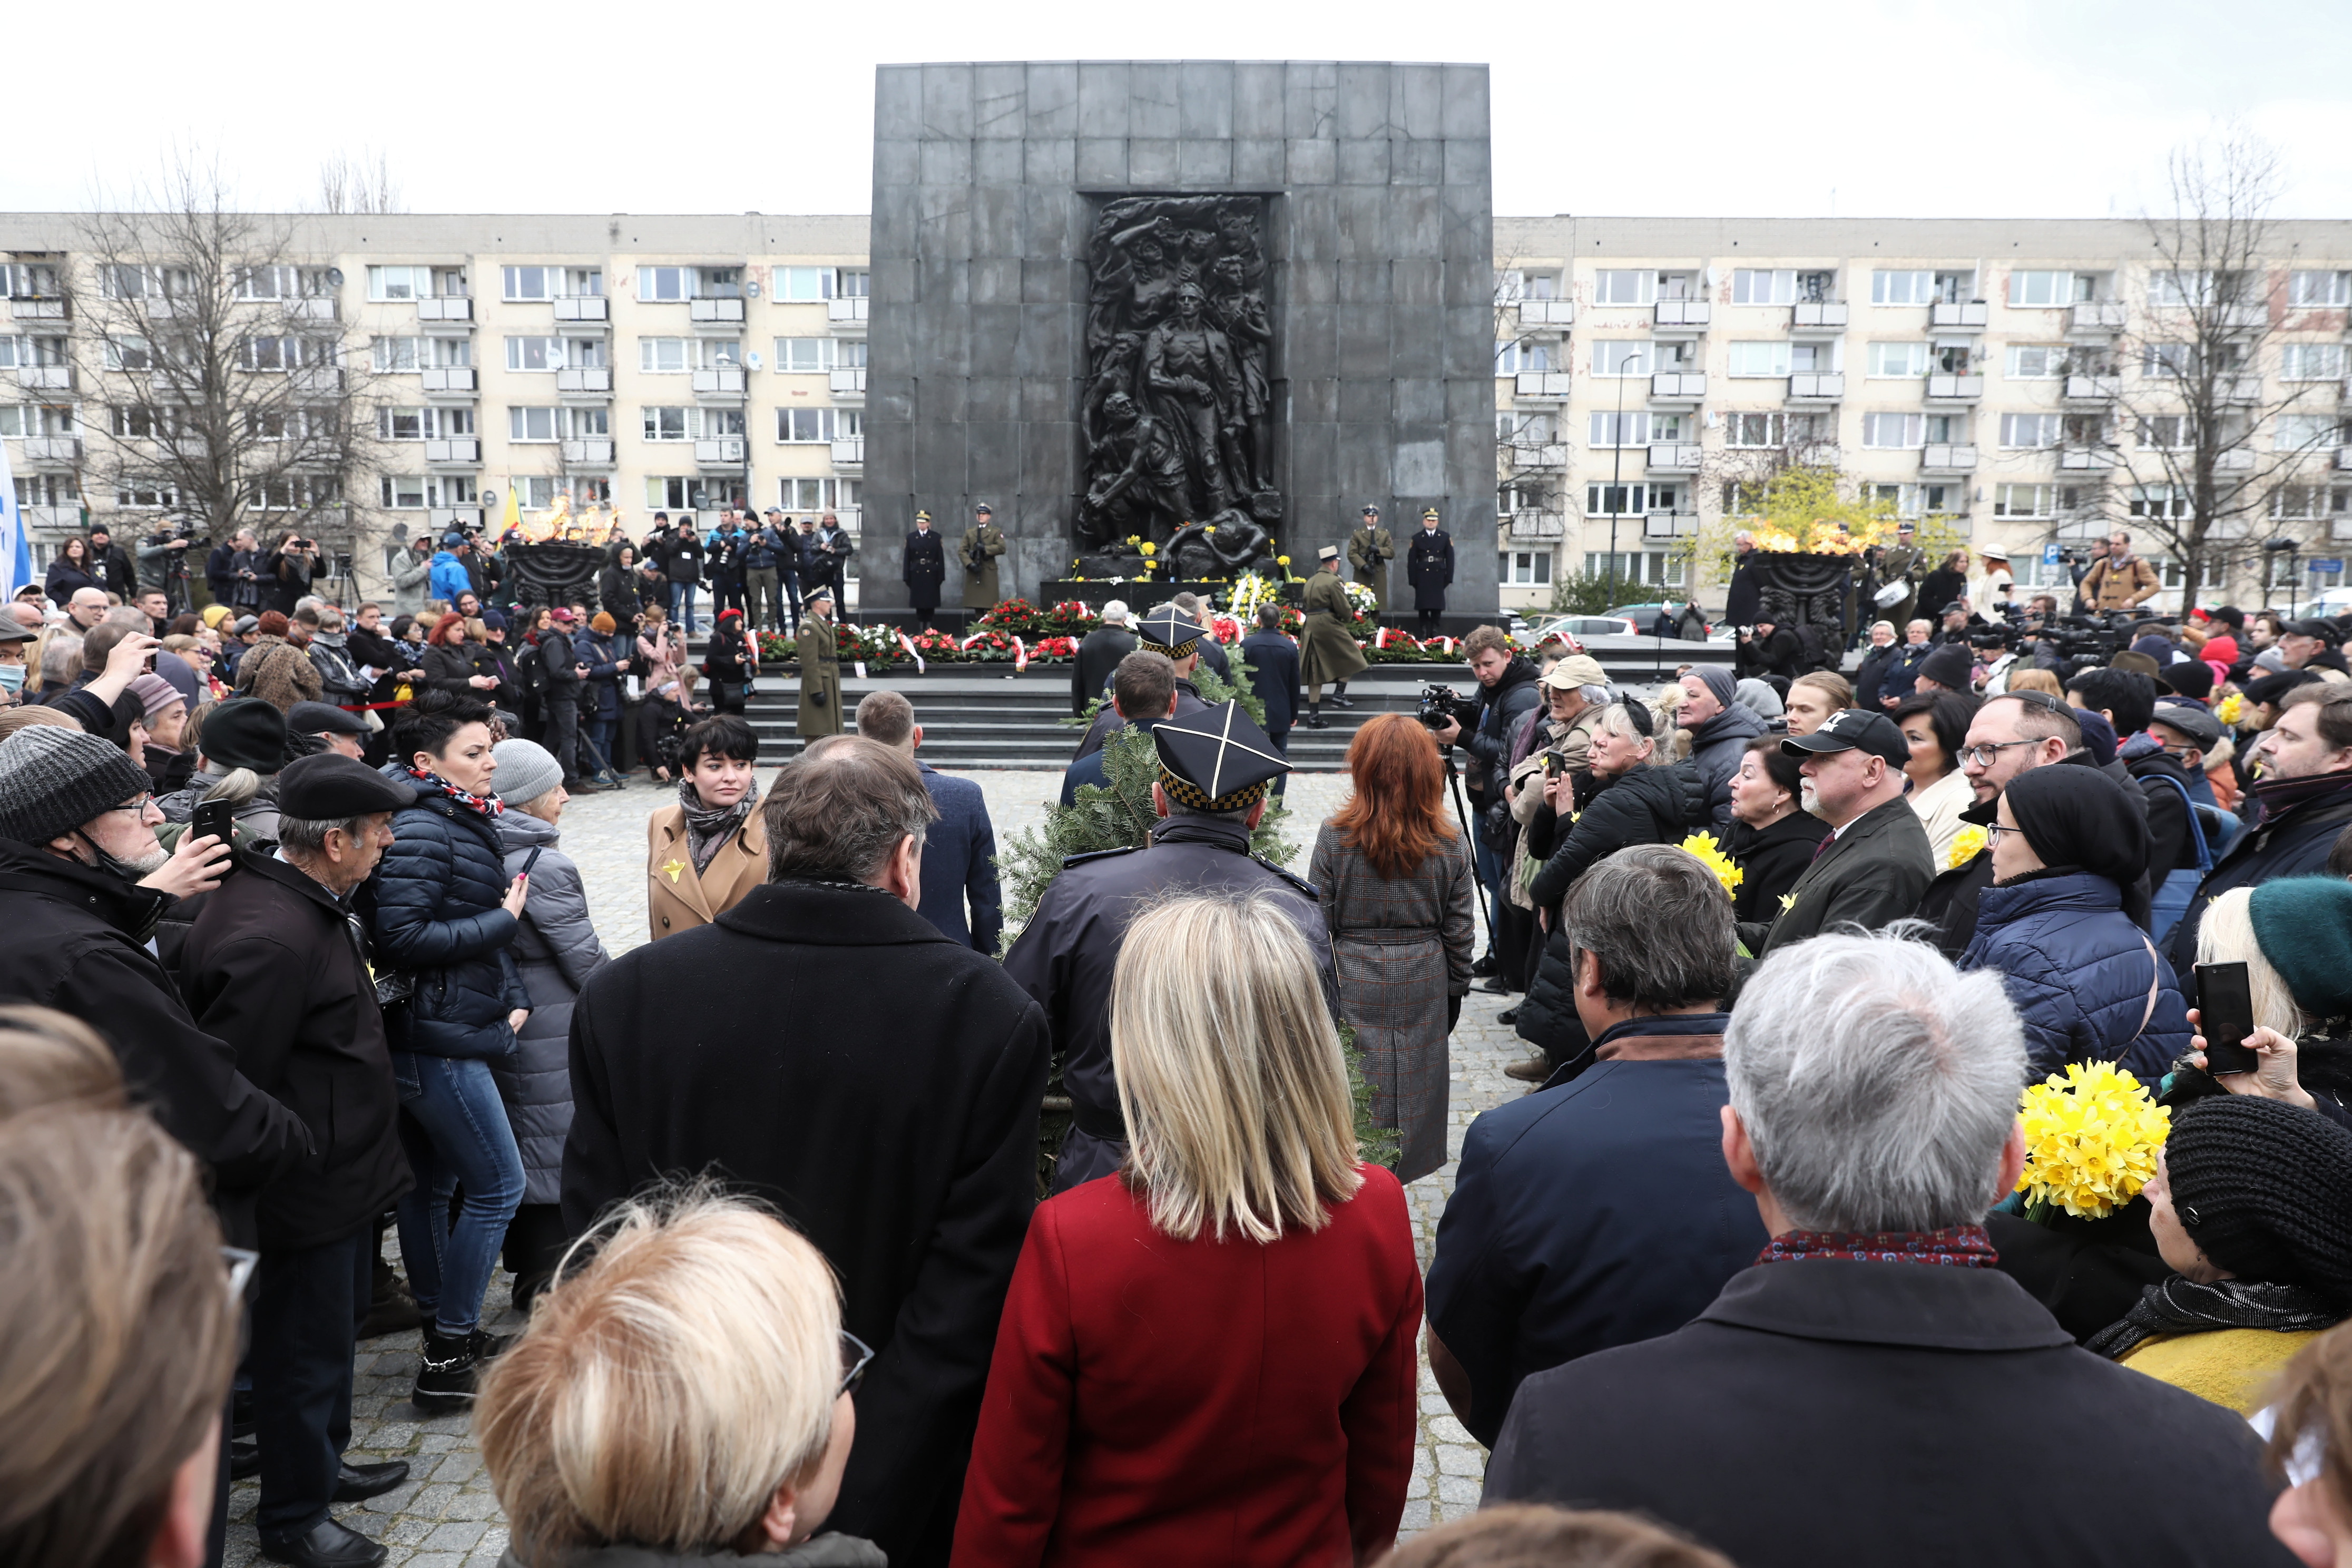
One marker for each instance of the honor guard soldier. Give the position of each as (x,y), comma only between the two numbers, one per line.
(1370,551)
(1429,567)
(1326,652)
(984,543)
(820,656)
(1214,769)
(925,567)
(1166,631)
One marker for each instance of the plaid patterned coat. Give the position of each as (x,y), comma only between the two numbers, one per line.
(1400,949)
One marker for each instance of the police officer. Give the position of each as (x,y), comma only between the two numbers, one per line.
(1214,768)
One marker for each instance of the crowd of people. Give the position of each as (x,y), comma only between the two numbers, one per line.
(291,975)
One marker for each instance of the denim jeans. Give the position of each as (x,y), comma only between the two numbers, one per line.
(681,605)
(602,733)
(454,1130)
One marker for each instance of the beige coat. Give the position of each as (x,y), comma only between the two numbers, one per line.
(1573,746)
(676,898)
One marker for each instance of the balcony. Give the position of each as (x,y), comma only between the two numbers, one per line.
(1535,525)
(2099,316)
(1816,388)
(2091,459)
(725,381)
(724,452)
(318,308)
(1966,316)
(448,378)
(464,452)
(2239,318)
(849,382)
(1819,316)
(1945,459)
(2344,460)
(2236,460)
(1537,454)
(38,310)
(45,377)
(1542,385)
(1681,315)
(55,519)
(451,307)
(2238,389)
(849,452)
(1676,457)
(583,308)
(1547,312)
(716,312)
(447,517)
(1678,386)
(585,379)
(1955,388)
(845,315)
(2093,388)
(1670,525)
(53,449)
(592,452)
(316,380)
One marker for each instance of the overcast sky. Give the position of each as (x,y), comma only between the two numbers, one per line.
(1995,108)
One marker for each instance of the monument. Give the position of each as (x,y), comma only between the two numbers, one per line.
(1213,305)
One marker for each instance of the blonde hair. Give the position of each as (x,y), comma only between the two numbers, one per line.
(667,1385)
(2226,935)
(1230,1073)
(49,1061)
(1836,686)
(2035,680)
(27,714)
(1617,721)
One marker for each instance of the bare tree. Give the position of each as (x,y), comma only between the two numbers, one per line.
(2194,441)
(222,388)
(1531,449)
(360,182)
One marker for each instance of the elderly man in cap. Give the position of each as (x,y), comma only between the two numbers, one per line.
(1099,654)
(276,963)
(1065,955)
(820,659)
(1168,632)
(315,727)
(1326,651)
(1876,864)
(1369,550)
(984,543)
(1719,729)
(2308,645)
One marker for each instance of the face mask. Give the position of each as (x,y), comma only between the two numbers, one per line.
(12,679)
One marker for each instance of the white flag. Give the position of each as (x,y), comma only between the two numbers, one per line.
(15,550)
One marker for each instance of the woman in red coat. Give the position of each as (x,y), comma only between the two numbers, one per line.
(1208,1358)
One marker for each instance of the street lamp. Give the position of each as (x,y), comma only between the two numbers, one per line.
(1616,491)
(2272,549)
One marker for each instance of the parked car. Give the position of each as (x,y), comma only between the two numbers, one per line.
(1580,628)
(1642,617)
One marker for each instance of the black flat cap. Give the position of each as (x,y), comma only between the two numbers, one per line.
(1164,629)
(2198,724)
(332,787)
(1853,730)
(1216,760)
(2271,687)
(245,733)
(323,718)
(1949,667)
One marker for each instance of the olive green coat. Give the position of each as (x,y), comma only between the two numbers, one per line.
(978,551)
(1325,652)
(820,659)
(1370,551)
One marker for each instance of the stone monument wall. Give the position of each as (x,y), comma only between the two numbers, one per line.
(1365,298)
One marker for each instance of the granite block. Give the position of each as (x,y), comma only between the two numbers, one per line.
(1364,344)
(1419,465)
(1416,101)
(997,162)
(898,161)
(939,454)
(1049,342)
(1151,110)
(1311,162)
(1104,89)
(1313,401)
(1102,163)
(1364,450)
(1419,400)
(1048,457)
(1363,282)
(1314,282)
(1000,100)
(1258,163)
(998,229)
(1463,110)
(1205,104)
(1049,161)
(1364,163)
(1151,162)
(992,462)
(1314,457)
(1204,164)
(947,100)
(1417,163)
(947,162)
(1415,222)
(1363,101)
(1258,100)
(1053,99)
(995,337)
(1467,162)
(1415,282)
(1366,399)
(1310,93)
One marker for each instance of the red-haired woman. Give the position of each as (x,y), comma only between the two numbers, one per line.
(449,660)
(1396,881)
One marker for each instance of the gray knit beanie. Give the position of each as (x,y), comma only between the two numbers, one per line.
(526,771)
(53,779)
(1718,682)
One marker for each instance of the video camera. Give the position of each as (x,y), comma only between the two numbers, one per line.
(1440,703)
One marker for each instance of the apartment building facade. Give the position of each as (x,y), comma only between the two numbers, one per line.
(1981,373)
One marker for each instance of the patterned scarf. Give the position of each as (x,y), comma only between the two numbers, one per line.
(2180,1306)
(706,827)
(1957,1246)
(2280,796)
(488,805)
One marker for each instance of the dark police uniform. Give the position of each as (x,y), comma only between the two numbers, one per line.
(1066,955)
(1163,631)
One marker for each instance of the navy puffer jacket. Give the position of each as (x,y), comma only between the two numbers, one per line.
(435,914)
(2077,970)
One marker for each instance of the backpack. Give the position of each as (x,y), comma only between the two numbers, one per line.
(1812,652)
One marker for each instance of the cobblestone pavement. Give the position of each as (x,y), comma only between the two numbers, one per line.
(447,1517)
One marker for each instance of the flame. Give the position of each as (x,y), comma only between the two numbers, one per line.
(590,525)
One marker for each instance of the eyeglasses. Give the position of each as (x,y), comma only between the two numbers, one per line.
(139,806)
(1993,830)
(855,1353)
(1983,752)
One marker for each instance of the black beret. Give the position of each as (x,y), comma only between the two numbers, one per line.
(323,718)
(332,787)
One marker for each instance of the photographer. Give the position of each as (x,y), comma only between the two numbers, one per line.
(109,565)
(164,563)
(1507,690)
(287,574)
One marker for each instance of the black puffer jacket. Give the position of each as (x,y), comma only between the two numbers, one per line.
(1644,805)
(434,908)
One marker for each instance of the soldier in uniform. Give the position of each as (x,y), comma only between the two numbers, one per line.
(1900,563)
(923,568)
(1325,652)
(1166,631)
(1429,567)
(984,542)
(1214,768)
(1370,551)
(820,656)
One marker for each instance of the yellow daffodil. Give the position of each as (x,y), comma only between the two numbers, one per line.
(2232,709)
(1284,560)
(2091,1135)
(1966,844)
(1149,548)
(1703,847)
(1788,903)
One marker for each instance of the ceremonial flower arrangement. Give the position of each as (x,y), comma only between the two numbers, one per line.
(1966,844)
(2091,1135)
(1250,591)
(1362,600)
(1704,848)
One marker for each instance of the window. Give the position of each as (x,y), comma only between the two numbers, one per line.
(289,424)
(2030,289)
(577,423)
(284,283)
(1511,358)
(57,419)
(808,425)
(850,283)
(1807,358)
(1671,427)
(1759,286)
(1755,429)
(816,495)
(1632,358)
(272,353)
(29,280)
(1760,359)
(528,283)
(2167,432)
(1626,500)
(1526,430)
(298,492)
(1606,428)
(665,283)
(2036,361)
(525,423)
(1908,361)
(2311,362)
(1952,359)
(583,353)
(2310,500)
(2319,288)
(402,424)
(536,491)
(1523,285)
(804,283)
(2170,502)
(1518,568)
(663,356)
(2170,361)
(2179,289)
(403,491)
(1636,568)
(1952,287)
(2029,430)
(535,353)
(1920,501)
(2036,501)
(1894,430)
(129,353)
(1625,286)
(2308,432)
(801,356)
(395,283)
(146,495)
(664,423)
(1901,287)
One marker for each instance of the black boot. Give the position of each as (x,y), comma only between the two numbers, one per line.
(1315,719)
(446,1379)
(1340,696)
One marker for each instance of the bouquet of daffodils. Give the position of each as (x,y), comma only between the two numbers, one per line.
(2091,1135)
(1710,853)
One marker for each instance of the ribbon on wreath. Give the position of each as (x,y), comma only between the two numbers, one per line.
(907,643)
(1020,655)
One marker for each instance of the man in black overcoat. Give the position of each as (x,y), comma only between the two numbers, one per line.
(1429,567)
(1099,652)
(1274,676)
(879,1085)
(925,569)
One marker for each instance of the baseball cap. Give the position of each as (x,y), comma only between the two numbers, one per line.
(1853,730)
(1577,669)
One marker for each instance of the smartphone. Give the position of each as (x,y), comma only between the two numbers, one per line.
(1553,764)
(2225,1015)
(533,860)
(212,820)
